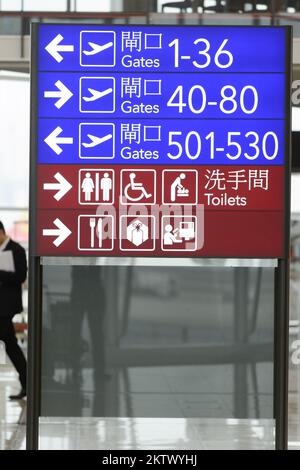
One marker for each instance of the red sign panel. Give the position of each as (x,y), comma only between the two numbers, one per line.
(183,211)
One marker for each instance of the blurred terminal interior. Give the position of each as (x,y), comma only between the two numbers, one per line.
(149,357)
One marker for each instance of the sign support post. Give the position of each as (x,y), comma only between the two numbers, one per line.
(282,289)
(281,354)
(34,352)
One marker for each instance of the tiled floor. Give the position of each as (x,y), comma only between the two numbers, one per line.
(153,433)
(135,433)
(12,413)
(142,433)
(126,433)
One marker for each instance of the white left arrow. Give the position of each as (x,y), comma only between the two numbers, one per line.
(62,186)
(53,140)
(63,93)
(55,46)
(61,232)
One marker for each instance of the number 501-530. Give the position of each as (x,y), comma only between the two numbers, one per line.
(249,145)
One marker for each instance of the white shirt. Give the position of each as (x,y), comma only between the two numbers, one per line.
(4,244)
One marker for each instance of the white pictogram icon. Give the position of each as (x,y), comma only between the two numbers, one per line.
(170,235)
(137,232)
(96,229)
(178,189)
(96,140)
(137,188)
(96,186)
(185,231)
(97,48)
(106,186)
(95,233)
(179,233)
(97,94)
(88,187)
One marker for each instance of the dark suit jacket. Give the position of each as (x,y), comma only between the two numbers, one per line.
(11,282)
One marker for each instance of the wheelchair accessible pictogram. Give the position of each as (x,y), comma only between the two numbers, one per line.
(138,186)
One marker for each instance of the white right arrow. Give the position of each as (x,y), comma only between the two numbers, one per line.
(54,46)
(61,232)
(63,186)
(63,93)
(53,140)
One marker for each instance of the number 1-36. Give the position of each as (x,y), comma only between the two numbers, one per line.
(222,58)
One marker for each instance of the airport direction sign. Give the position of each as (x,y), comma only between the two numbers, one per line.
(161,140)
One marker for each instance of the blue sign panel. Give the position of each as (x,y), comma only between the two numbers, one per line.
(170,142)
(163,95)
(149,95)
(160,48)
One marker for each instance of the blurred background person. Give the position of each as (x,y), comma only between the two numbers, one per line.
(13,272)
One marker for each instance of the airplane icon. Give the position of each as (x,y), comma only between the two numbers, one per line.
(96,140)
(96,48)
(96,94)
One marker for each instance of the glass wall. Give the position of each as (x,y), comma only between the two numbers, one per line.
(160,342)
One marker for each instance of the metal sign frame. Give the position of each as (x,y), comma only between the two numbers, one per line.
(281,277)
